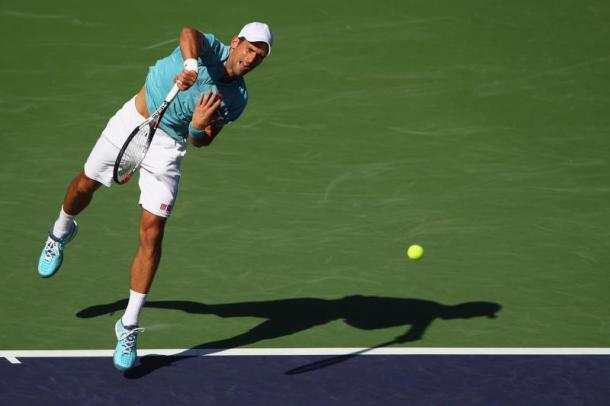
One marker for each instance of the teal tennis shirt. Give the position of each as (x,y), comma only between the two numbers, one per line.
(211,76)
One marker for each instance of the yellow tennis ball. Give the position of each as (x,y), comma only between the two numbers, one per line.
(415,252)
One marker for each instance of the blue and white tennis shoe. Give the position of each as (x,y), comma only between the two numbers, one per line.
(126,350)
(53,252)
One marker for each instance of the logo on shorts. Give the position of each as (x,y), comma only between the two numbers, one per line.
(166,207)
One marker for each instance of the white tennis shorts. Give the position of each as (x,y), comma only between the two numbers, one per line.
(160,170)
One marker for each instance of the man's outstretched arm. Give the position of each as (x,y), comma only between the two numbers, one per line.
(191,45)
(416,332)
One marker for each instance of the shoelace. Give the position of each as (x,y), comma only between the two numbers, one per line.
(51,250)
(129,339)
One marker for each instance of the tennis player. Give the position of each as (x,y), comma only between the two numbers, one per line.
(213,94)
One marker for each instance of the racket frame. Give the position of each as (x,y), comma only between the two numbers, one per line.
(153,123)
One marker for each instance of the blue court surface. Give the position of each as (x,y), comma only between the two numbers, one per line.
(311,380)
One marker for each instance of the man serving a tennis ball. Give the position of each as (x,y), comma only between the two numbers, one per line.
(213,94)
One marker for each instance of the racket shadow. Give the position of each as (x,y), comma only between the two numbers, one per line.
(335,360)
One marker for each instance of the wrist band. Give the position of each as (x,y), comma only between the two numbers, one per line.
(195,133)
(191,64)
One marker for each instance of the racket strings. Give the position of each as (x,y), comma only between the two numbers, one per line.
(134,153)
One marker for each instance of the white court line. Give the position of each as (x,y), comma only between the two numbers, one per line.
(160,44)
(13,355)
(15,13)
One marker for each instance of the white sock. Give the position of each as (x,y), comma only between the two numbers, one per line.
(63,224)
(134,307)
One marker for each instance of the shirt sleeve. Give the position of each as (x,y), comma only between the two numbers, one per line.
(214,51)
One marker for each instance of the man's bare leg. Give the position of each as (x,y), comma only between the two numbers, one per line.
(79,194)
(143,269)
(145,264)
(77,198)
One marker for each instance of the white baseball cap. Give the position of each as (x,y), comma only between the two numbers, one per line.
(257,32)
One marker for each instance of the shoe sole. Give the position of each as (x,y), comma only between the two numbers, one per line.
(53,273)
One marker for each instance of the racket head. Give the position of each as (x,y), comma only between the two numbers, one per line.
(136,146)
(133,151)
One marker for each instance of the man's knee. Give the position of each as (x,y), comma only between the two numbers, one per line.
(151,230)
(151,236)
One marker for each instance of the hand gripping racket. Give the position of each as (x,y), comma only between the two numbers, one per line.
(136,146)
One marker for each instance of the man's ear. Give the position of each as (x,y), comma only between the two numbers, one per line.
(234,42)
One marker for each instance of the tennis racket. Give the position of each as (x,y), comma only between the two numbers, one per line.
(136,146)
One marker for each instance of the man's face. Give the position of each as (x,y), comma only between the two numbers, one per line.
(245,55)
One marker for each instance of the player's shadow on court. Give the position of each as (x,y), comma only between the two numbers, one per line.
(289,316)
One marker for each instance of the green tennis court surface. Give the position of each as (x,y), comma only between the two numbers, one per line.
(478,129)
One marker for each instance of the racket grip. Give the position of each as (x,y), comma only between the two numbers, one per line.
(172,93)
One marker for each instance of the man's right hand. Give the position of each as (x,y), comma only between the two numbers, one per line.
(185,79)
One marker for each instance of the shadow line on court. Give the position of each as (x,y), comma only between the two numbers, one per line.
(285,317)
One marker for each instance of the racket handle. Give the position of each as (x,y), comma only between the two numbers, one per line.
(172,93)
